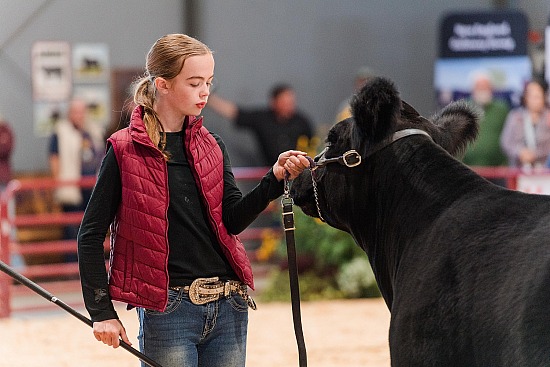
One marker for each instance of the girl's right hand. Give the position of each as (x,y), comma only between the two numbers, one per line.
(291,161)
(109,331)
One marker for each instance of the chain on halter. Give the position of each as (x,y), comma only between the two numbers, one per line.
(352,159)
(286,193)
(349,159)
(312,167)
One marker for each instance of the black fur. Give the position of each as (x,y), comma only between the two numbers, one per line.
(376,109)
(463,265)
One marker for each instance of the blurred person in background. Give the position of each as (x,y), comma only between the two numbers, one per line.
(526,135)
(363,75)
(72,154)
(7,142)
(485,151)
(6,149)
(277,127)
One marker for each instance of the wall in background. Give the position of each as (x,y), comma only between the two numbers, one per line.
(316,45)
(128,27)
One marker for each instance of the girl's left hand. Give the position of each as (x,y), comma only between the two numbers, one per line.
(293,161)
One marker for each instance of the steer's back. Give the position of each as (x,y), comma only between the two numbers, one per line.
(474,289)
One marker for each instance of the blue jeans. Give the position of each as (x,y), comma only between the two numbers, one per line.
(188,335)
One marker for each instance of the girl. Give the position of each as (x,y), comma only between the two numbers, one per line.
(167,191)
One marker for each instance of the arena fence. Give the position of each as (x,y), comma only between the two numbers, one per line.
(56,274)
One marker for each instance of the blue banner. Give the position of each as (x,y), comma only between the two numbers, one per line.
(490,43)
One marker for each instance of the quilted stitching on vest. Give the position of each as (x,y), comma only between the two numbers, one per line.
(138,272)
(139,253)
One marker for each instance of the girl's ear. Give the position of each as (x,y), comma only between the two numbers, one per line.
(162,85)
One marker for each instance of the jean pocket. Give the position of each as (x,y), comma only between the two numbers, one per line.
(174,300)
(237,302)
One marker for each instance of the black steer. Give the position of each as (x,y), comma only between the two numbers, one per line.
(463,264)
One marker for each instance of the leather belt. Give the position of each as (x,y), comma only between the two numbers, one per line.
(204,290)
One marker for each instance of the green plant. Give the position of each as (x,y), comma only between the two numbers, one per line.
(312,287)
(329,247)
(331,265)
(356,279)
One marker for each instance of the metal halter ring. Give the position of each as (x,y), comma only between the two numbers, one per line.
(349,159)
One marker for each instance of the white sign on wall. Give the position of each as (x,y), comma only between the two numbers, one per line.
(91,63)
(51,71)
(61,71)
(534,183)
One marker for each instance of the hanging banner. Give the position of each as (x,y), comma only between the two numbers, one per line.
(61,71)
(91,63)
(490,43)
(51,71)
(489,34)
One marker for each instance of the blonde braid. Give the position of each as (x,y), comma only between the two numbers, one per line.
(144,96)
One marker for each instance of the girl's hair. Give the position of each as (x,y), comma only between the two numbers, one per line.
(165,59)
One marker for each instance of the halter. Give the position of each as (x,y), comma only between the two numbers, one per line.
(349,159)
(352,159)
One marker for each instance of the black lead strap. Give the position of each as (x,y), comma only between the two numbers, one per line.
(288,223)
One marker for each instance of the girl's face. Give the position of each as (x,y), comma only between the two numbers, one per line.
(188,92)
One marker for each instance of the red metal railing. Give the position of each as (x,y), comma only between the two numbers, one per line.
(10,223)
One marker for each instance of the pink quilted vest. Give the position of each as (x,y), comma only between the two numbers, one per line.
(139,233)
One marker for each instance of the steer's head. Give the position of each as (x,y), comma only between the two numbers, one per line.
(378,113)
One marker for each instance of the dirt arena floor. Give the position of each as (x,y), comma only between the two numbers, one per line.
(348,333)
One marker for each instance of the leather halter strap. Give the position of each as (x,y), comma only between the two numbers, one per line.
(395,137)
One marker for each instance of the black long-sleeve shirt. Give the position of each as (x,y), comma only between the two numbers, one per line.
(193,248)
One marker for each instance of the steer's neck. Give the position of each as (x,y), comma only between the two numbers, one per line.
(409,187)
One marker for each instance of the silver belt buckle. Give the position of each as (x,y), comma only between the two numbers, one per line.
(194,291)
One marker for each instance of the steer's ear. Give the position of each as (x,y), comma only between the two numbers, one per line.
(458,126)
(376,109)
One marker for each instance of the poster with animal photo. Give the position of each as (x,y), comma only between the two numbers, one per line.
(51,71)
(46,115)
(90,63)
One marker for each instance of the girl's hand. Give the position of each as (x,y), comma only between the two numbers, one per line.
(109,331)
(291,161)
